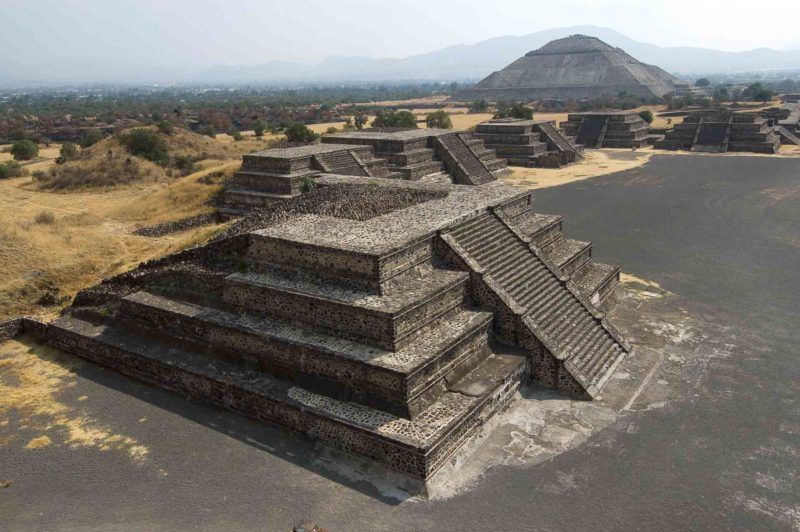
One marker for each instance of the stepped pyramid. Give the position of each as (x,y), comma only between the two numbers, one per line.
(410,154)
(576,67)
(389,318)
(529,142)
(720,132)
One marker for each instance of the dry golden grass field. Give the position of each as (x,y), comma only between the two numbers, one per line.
(68,240)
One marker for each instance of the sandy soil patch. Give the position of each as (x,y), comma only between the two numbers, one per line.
(596,163)
(32,381)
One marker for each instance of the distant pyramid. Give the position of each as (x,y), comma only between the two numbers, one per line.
(575,67)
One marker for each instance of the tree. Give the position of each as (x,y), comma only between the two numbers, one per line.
(439,120)
(702,82)
(300,133)
(24,150)
(758,93)
(259,127)
(647,115)
(68,152)
(331,130)
(479,106)
(146,143)
(517,110)
(91,137)
(721,94)
(360,120)
(404,119)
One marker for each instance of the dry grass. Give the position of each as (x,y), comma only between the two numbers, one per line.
(87,235)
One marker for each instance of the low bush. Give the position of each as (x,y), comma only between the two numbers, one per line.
(11,169)
(146,143)
(24,150)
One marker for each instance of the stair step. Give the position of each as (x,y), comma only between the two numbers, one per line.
(597,281)
(388,321)
(566,250)
(415,447)
(402,382)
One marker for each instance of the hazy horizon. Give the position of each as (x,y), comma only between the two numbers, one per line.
(89,40)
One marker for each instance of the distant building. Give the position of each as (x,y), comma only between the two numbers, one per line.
(576,67)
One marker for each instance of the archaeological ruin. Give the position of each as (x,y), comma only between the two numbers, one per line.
(720,132)
(409,154)
(389,318)
(606,129)
(785,121)
(529,143)
(576,67)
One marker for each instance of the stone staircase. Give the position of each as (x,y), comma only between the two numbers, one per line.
(579,349)
(461,161)
(572,258)
(787,137)
(343,162)
(556,138)
(592,131)
(711,137)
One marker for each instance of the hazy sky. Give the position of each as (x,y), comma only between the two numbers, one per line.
(90,37)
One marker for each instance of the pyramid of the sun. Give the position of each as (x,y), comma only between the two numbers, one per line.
(576,67)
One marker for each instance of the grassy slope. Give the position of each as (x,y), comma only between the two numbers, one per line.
(89,235)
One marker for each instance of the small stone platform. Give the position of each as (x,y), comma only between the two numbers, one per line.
(606,129)
(280,173)
(720,133)
(417,153)
(528,143)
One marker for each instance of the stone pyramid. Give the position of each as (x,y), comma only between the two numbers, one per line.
(576,67)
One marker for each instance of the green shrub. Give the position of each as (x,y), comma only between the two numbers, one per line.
(439,120)
(395,119)
(300,133)
(360,120)
(308,184)
(184,163)
(208,131)
(479,106)
(236,135)
(166,127)
(11,169)
(24,150)
(647,116)
(517,110)
(259,127)
(68,152)
(91,137)
(147,144)
(331,130)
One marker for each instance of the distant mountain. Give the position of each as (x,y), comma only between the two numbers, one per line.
(462,62)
